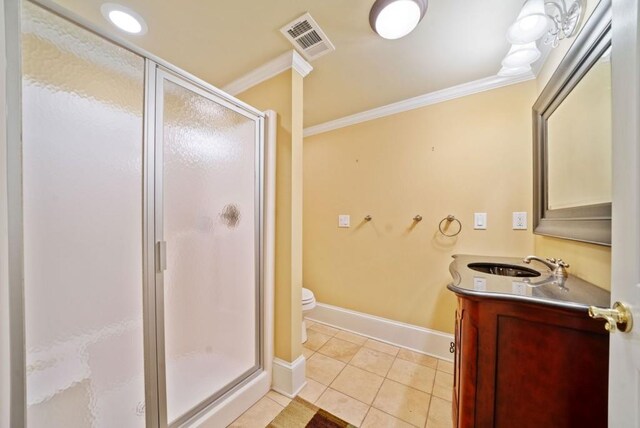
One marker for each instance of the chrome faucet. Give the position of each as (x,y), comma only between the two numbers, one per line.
(557,266)
(553,280)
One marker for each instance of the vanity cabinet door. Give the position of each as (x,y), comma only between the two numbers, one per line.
(526,365)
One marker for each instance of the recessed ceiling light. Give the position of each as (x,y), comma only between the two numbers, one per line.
(393,19)
(124,18)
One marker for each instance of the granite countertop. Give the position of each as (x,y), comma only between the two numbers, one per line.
(570,293)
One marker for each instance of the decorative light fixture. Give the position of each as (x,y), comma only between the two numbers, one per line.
(532,23)
(393,19)
(565,19)
(521,55)
(554,20)
(124,18)
(513,71)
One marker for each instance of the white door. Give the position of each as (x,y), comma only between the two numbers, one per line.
(624,361)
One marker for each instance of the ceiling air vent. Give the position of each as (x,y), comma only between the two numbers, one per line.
(307,37)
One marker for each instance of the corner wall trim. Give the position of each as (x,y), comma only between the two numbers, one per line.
(289,378)
(420,339)
(446,94)
(287,60)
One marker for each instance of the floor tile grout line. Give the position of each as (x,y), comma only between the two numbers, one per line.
(433,385)
(338,375)
(428,411)
(396,417)
(400,383)
(395,357)
(319,331)
(390,367)
(369,371)
(266,396)
(423,365)
(347,395)
(412,387)
(377,340)
(357,399)
(379,388)
(385,377)
(345,362)
(365,415)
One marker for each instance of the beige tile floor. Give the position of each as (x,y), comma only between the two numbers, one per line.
(367,383)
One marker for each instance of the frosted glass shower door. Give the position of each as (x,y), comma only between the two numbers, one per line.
(207,172)
(82,160)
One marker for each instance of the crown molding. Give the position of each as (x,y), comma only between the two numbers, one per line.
(284,62)
(447,94)
(299,64)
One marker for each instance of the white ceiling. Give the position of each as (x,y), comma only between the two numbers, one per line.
(220,40)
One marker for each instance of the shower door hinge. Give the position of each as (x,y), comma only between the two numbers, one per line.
(161,256)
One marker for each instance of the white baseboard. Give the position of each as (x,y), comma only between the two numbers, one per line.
(431,342)
(289,378)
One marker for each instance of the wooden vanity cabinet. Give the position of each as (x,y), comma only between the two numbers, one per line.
(521,364)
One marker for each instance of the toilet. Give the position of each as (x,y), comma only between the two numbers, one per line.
(308,303)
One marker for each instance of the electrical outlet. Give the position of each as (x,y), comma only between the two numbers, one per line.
(519,221)
(520,288)
(344,220)
(479,283)
(480,221)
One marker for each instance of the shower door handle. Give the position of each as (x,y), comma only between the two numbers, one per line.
(161,255)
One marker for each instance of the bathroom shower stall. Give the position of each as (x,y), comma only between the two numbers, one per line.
(143,191)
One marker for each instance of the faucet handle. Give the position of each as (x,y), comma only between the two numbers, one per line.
(558,262)
(561,268)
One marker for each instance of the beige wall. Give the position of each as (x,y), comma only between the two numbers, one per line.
(467,155)
(283,94)
(588,261)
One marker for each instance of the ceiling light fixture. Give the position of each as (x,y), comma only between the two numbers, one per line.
(532,23)
(561,22)
(393,19)
(124,18)
(514,71)
(553,20)
(521,55)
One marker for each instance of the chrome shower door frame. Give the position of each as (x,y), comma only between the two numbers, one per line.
(155,248)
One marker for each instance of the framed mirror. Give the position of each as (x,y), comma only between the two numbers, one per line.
(572,139)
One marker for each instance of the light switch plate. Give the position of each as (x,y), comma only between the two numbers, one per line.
(344,220)
(480,221)
(519,221)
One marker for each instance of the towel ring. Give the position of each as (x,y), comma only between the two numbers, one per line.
(450,218)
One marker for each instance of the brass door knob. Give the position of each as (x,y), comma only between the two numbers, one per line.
(618,318)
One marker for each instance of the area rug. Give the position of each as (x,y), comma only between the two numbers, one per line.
(300,413)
